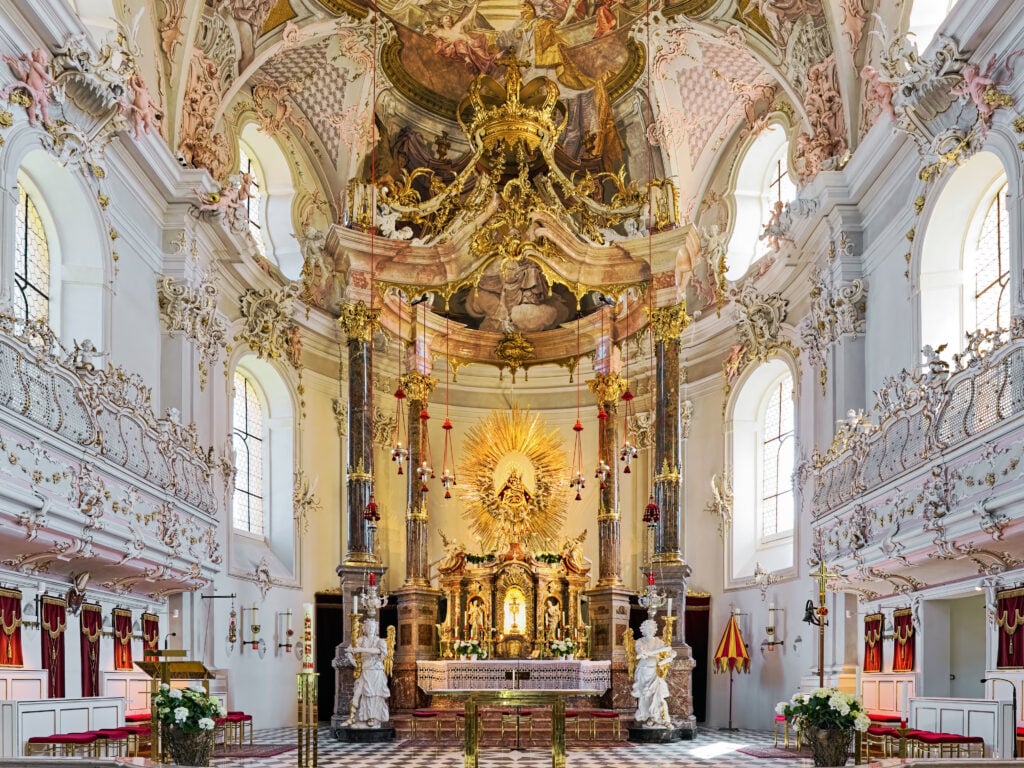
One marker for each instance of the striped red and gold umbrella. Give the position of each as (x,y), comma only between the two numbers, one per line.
(732,651)
(731,655)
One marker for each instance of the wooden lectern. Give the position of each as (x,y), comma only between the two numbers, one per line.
(165,667)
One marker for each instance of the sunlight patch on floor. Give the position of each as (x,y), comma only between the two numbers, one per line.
(715,749)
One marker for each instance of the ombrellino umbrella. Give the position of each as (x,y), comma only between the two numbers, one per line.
(731,655)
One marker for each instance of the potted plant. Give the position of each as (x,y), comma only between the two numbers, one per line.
(828,717)
(470,649)
(564,648)
(186,718)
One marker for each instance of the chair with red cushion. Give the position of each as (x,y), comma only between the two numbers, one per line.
(513,719)
(139,717)
(427,715)
(605,715)
(240,719)
(115,741)
(140,735)
(573,716)
(69,744)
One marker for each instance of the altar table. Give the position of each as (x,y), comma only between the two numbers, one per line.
(517,697)
(524,674)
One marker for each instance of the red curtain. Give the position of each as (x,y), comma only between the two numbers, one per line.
(53,621)
(1010,622)
(150,633)
(903,637)
(10,624)
(873,642)
(91,621)
(122,638)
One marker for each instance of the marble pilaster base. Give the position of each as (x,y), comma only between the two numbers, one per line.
(405,694)
(609,620)
(343,685)
(679,679)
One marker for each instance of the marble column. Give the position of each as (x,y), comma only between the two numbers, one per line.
(358,321)
(668,324)
(418,387)
(608,389)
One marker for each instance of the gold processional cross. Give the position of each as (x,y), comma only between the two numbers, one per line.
(822,575)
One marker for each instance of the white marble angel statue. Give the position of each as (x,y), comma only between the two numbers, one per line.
(649,660)
(372,656)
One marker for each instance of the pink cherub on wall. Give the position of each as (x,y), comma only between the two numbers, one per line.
(978,85)
(33,70)
(878,92)
(141,107)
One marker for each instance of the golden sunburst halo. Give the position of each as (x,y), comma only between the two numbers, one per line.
(509,451)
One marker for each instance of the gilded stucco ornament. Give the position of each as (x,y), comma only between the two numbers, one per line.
(358,321)
(759,330)
(668,323)
(607,387)
(191,310)
(305,502)
(268,327)
(513,350)
(641,429)
(418,386)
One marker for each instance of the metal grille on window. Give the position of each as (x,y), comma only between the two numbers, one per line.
(32,261)
(247,433)
(992,266)
(777,461)
(254,201)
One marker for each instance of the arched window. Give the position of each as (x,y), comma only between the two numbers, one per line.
(254,201)
(762,459)
(263,435)
(32,259)
(991,265)
(965,269)
(761,181)
(926,16)
(776,505)
(247,433)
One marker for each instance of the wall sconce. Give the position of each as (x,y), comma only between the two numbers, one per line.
(254,641)
(284,619)
(30,613)
(773,628)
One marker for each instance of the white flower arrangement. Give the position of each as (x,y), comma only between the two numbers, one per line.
(470,648)
(825,708)
(564,647)
(189,709)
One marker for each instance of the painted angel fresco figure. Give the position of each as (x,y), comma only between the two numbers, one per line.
(33,70)
(461,40)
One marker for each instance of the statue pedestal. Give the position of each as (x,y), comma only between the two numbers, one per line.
(363,735)
(658,735)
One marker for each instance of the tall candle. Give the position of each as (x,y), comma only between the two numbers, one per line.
(373,579)
(668,610)
(254,614)
(355,603)
(308,662)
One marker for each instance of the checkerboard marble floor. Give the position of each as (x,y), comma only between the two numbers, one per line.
(710,748)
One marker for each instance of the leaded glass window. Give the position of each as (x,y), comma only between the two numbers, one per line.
(992,266)
(247,434)
(32,261)
(777,449)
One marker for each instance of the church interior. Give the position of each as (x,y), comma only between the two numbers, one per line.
(667,353)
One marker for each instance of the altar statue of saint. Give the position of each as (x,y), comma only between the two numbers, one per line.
(650,658)
(552,619)
(476,618)
(572,555)
(515,507)
(372,657)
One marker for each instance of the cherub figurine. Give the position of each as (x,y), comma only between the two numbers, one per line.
(33,70)
(140,107)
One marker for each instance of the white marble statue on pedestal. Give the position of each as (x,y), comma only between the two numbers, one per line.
(372,657)
(651,657)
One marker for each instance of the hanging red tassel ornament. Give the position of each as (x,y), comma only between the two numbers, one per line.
(370,513)
(652,512)
(399,453)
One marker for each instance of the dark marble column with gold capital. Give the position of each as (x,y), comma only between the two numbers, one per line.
(667,325)
(608,389)
(358,321)
(418,387)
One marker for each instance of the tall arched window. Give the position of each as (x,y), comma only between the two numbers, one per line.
(247,433)
(762,459)
(991,265)
(965,260)
(776,505)
(32,260)
(761,180)
(254,201)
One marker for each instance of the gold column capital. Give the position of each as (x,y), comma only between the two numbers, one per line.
(607,387)
(668,323)
(359,321)
(418,386)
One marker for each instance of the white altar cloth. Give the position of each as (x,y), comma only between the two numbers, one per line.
(502,674)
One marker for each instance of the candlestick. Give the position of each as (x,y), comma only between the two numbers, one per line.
(308,663)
